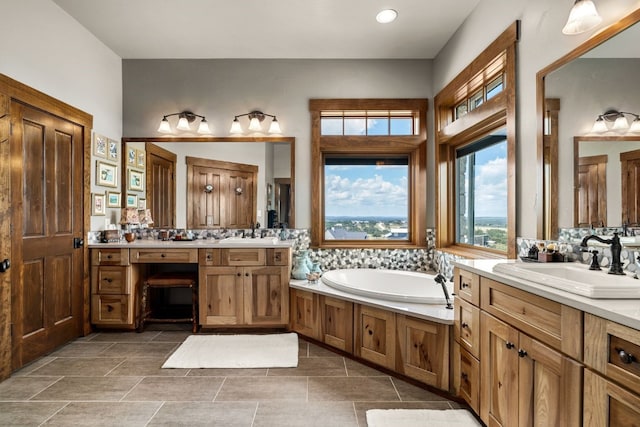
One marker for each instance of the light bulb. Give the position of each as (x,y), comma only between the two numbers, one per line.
(275,126)
(203,128)
(183,124)
(235,126)
(164,127)
(621,123)
(599,126)
(254,124)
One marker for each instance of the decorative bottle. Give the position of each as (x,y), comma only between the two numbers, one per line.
(300,268)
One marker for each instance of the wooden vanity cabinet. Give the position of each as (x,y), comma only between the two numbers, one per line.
(112,288)
(244,287)
(375,335)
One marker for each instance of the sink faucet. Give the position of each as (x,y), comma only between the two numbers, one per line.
(616,248)
(253,230)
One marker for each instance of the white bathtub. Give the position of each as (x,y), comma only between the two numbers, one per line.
(392,285)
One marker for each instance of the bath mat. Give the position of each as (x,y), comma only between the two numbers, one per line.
(420,417)
(236,351)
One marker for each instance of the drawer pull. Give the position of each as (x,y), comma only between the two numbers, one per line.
(522,353)
(208,257)
(239,274)
(108,280)
(509,345)
(464,376)
(246,274)
(109,257)
(370,332)
(626,358)
(163,255)
(464,285)
(109,308)
(464,325)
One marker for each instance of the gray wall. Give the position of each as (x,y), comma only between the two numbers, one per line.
(222,88)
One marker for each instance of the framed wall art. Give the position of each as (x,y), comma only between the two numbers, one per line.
(100,146)
(132,156)
(113,199)
(113,150)
(142,203)
(98,206)
(135,180)
(106,174)
(140,156)
(132,200)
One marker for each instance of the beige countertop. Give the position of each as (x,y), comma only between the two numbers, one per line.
(623,311)
(191,244)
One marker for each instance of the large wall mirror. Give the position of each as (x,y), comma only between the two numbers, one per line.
(597,76)
(262,174)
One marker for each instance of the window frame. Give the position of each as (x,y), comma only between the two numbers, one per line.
(452,133)
(413,146)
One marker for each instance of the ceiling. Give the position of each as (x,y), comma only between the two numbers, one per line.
(270,28)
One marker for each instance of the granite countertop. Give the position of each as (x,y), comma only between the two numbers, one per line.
(623,311)
(194,244)
(432,312)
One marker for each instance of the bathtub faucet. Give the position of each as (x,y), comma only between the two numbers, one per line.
(443,282)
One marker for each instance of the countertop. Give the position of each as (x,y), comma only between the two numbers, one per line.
(623,311)
(433,312)
(191,244)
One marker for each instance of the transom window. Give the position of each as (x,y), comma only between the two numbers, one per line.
(374,123)
(487,92)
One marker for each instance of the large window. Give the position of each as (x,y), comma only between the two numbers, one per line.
(369,180)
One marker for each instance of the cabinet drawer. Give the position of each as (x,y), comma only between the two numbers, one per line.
(613,350)
(110,280)
(164,255)
(555,324)
(114,310)
(109,256)
(209,257)
(467,326)
(467,286)
(244,256)
(278,256)
(470,380)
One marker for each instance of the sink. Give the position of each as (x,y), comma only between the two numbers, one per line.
(258,241)
(574,278)
(624,241)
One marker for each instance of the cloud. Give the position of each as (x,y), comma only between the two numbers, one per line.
(365,196)
(491,188)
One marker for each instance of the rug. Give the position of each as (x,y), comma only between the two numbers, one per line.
(236,351)
(420,417)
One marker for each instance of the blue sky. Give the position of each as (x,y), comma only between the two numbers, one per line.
(491,181)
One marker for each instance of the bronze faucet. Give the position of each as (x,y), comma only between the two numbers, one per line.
(616,248)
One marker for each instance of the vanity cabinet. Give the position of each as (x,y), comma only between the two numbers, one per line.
(244,287)
(612,377)
(375,335)
(528,350)
(112,288)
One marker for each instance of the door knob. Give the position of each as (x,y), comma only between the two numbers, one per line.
(5,265)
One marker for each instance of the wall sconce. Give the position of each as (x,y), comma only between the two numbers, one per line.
(620,122)
(583,17)
(184,123)
(255,118)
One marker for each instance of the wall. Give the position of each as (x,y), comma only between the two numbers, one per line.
(541,43)
(43,47)
(222,88)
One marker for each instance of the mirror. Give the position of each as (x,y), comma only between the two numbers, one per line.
(599,75)
(274,157)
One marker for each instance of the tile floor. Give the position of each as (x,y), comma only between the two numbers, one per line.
(115,379)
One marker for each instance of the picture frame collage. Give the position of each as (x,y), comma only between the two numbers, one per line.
(106,151)
(136,162)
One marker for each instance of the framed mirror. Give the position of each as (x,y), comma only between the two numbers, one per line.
(572,92)
(272,202)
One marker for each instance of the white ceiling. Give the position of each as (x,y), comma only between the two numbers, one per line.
(270,28)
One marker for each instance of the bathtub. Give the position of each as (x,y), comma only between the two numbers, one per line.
(391,285)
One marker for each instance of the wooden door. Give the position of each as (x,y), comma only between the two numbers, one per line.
(305,313)
(47,200)
(266,295)
(203,197)
(549,385)
(630,164)
(221,296)
(498,372)
(240,199)
(161,187)
(591,200)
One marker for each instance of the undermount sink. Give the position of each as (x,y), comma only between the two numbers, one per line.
(250,241)
(574,278)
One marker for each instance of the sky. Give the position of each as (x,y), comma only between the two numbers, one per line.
(491,181)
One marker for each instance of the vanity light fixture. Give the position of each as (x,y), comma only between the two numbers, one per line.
(185,118)
(386,16)
(255,118)
(620,122)
(583,17)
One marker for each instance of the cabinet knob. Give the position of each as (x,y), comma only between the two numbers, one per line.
(163,255)
(522,353)
(109,308)
(370,332)
(239,274)
(109,256)
(464,376)
(464,325)
(509,345)
(464,285)
(626,358)
(108,280)
(246,274)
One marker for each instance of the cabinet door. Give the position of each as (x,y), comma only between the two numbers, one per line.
(375,331)
(336,323)
(424,350)
(498,372)
(607,404)
(305,313)
(549,386)
(221,296)
(111,310)
(266,295)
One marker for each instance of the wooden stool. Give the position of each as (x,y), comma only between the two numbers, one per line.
(166,281)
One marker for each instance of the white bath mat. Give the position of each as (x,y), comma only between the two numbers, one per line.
(236,351)
(420,417)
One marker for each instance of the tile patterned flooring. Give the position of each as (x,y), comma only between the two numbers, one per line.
(115,379)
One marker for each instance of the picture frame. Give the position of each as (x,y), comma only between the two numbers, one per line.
(106,174)
(113,199)
(135,180)
(132,200)
(98,204)
(100,145)
(132,156)
(113,150)
(142,203)
(140,158)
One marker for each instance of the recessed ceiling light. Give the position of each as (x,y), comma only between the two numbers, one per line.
(387,15)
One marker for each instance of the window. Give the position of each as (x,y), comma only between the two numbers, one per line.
(481,192)
(369,188)
(475,157)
